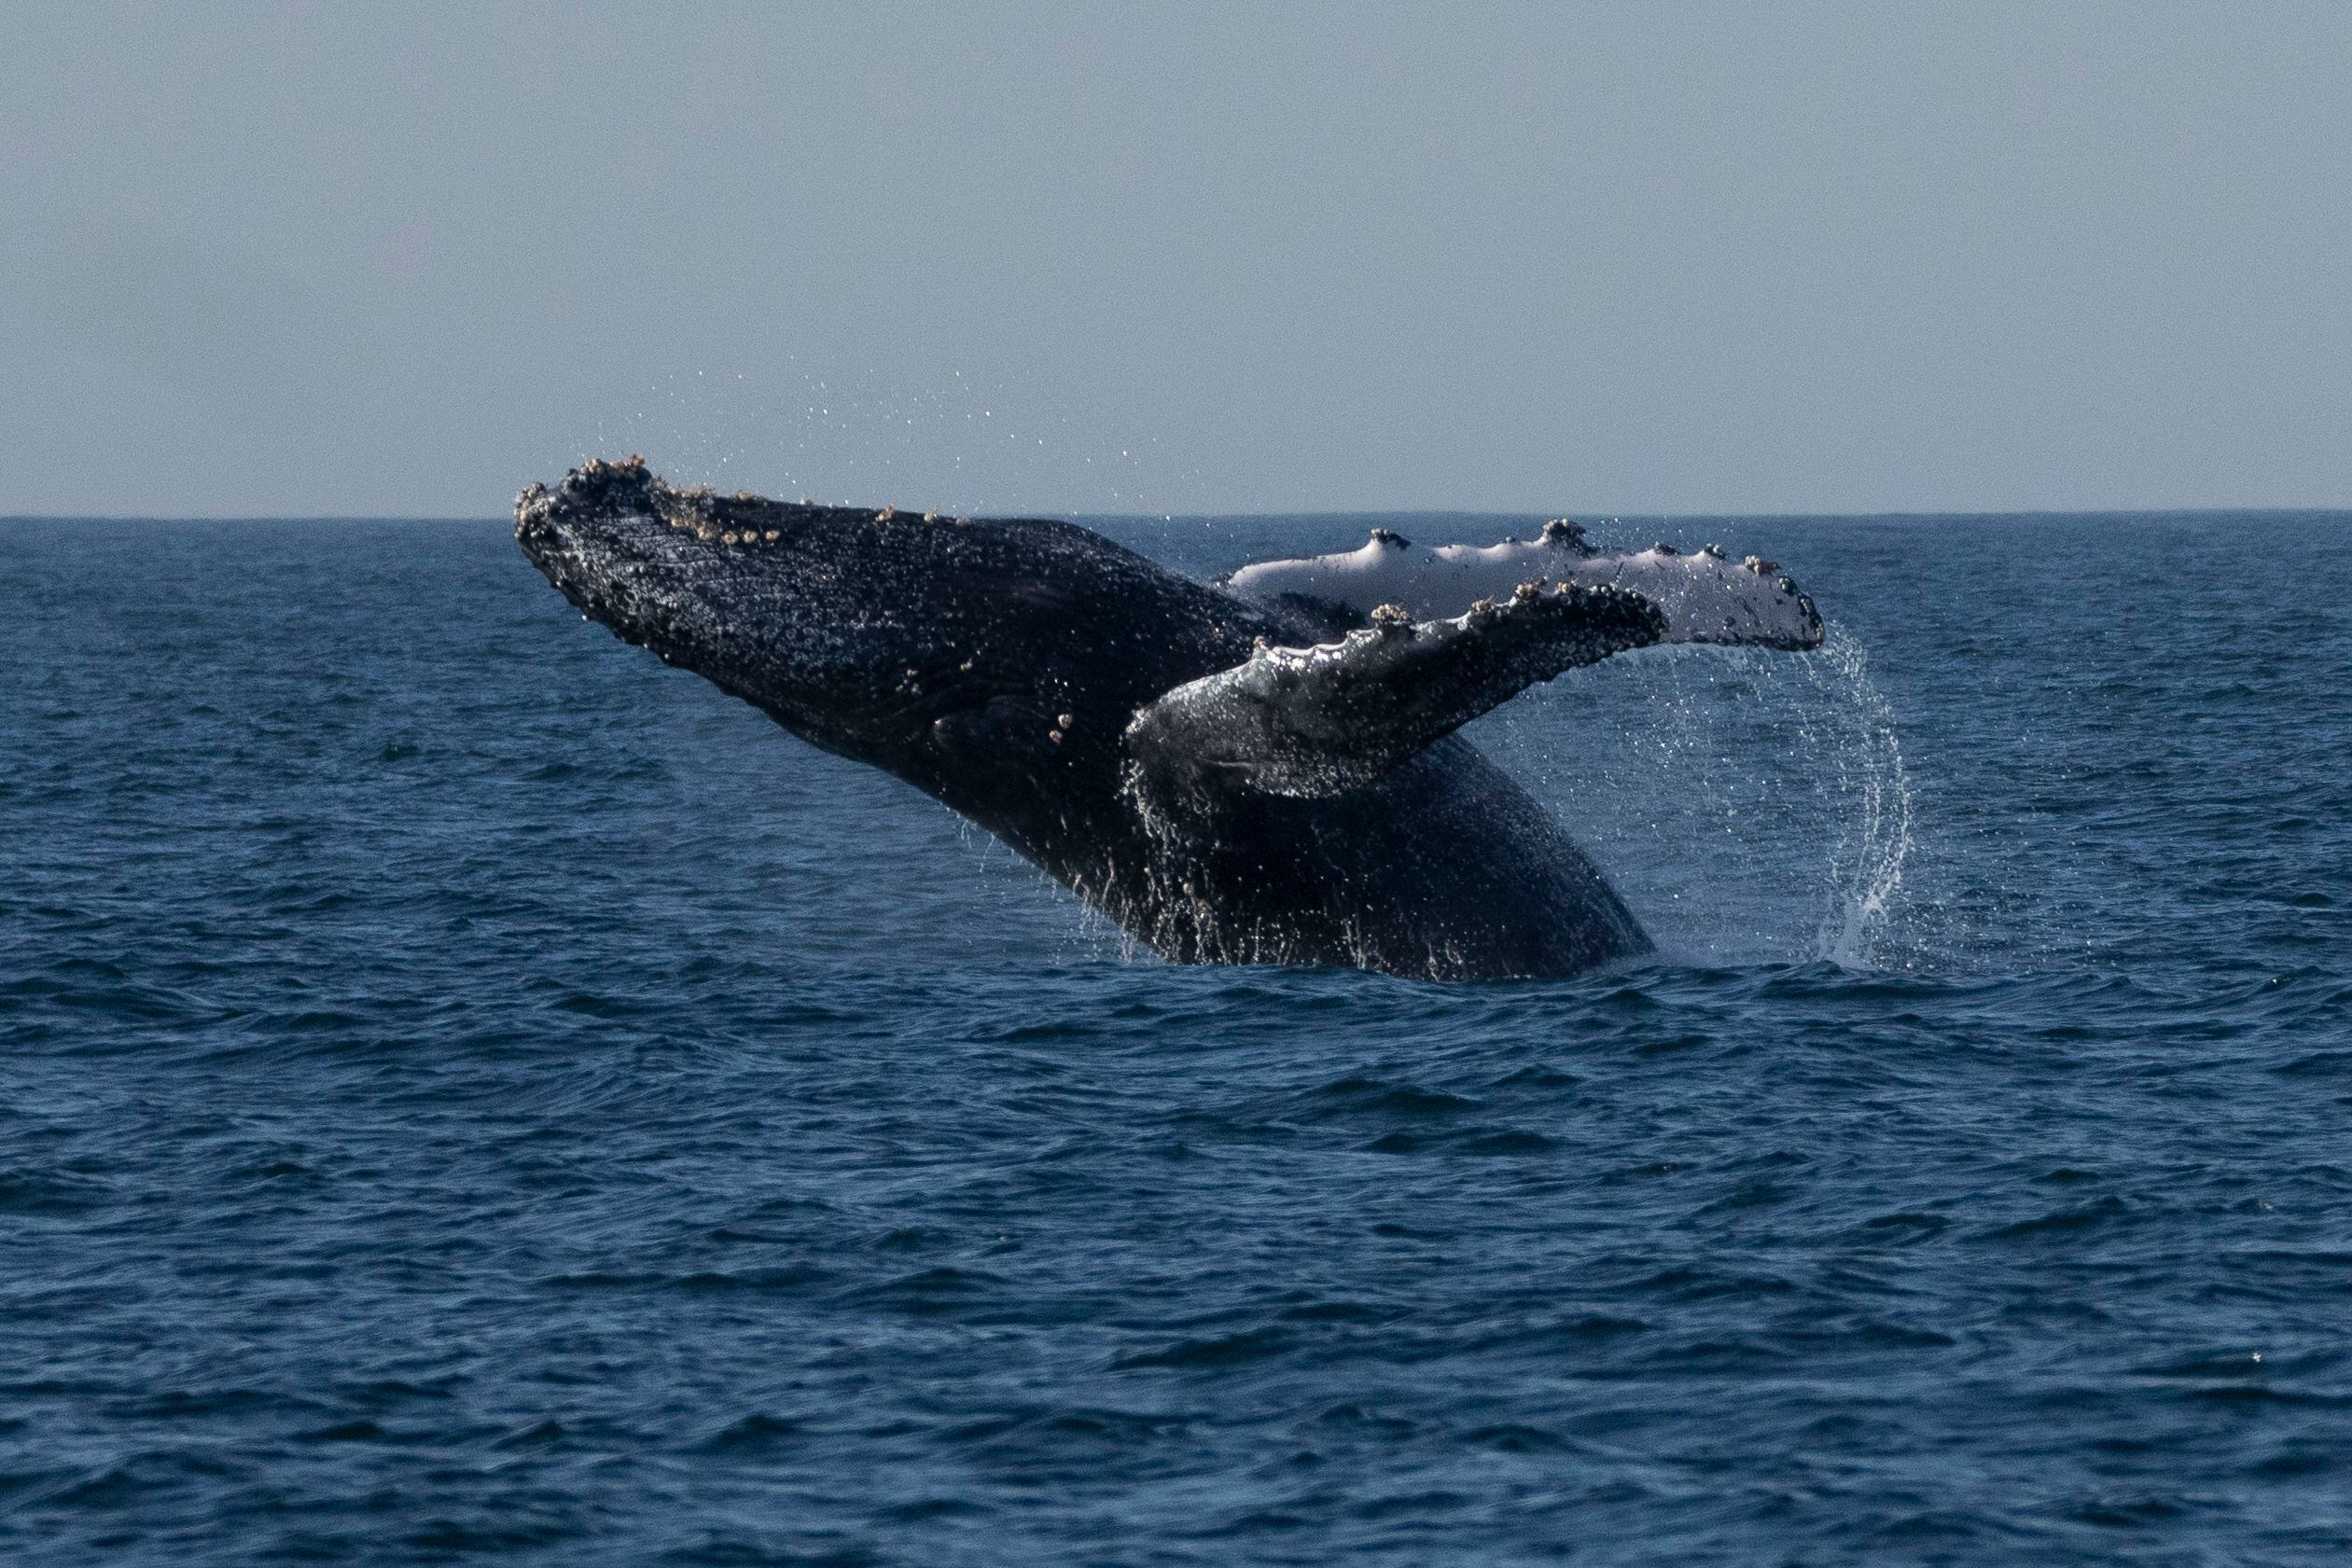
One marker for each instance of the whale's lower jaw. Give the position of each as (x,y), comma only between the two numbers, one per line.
(1232,780)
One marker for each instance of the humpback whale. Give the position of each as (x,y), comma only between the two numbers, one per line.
(1262,770)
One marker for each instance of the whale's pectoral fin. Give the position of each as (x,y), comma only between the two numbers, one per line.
(1706,596)
(1323,720)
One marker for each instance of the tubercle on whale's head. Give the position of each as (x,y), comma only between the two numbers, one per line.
(898,637)
(792,607)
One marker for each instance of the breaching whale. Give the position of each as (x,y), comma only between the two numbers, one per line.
(1257,770)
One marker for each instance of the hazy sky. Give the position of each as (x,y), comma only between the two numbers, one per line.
(389,258)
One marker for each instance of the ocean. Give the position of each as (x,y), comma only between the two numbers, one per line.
(469,1092)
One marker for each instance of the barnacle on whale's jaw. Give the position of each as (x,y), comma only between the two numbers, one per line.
(761,596)
(629,553)
(617,518)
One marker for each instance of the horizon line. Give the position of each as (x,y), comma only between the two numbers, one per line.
(1928,514)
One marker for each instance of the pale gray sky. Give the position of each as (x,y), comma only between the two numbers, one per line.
(394,258)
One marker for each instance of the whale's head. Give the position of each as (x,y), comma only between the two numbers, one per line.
(938,648)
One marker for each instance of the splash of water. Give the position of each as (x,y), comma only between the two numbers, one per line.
(1751,807)
(1865,861)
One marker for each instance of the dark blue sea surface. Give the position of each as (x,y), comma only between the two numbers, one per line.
(467,1092)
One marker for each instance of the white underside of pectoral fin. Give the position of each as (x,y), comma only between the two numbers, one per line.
(1706,596)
